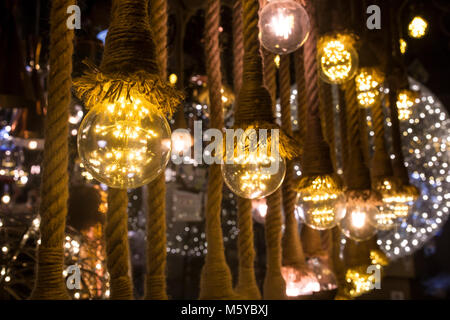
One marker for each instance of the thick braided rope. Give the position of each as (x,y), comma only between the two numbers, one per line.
(327,116)
(246,285)
(343,131)
(292,249)
(270,74)
(274,284)
(364,134)
(381,164)
(238,46)
(117,248)
(338,263)
(158,20)
(216,282)
(155,284)
(312,242)
(301,93)
(129,46)
(54,186)
(359,179)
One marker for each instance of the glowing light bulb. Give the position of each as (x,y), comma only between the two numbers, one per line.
(124,144)
(368,81)
(356,222)
(6,198)
(359,281)
(321,202)
(405,101)
(283,26)
(417,27)
(385,218)
(253,172)
(337,58)
(403,46)
(181,142)
(173,79)
(299,282)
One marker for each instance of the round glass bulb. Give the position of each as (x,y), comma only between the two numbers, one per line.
(283,26)
(357,221)
(337,58)
(367,82)
(406,99)
(181,142)
(320,203)
(124,144)
(254,177)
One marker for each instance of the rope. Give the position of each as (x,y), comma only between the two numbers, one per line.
(117,251)
(343,131)
(292,249)
(359,179)
(155,285)
(54,186)
(301,93)
(381,164)
(363,128)
(274,284)
(246,286)
(238,46)
(215,280)
(338,263)
(270,74)
(327,116)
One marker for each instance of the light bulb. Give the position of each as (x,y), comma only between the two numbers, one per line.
(283,26)
(6,198)
(400,204)
(359,281)
(417,27)
(385,218)
(357,221)
(259,210)
(253,170)
(299,282)
(403,46)
(337,58)
(405,101)
(321,202)
(124,144)
(252,178)
(181,142)
(367,82)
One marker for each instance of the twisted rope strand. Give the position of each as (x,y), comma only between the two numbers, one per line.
(301,94)
(155,285)
(117,248)
(238,46)
(54,186)
(216,276)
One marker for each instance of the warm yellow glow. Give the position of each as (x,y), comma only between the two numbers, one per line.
(173,79)
(418,27)
(367,85)
(337,58)
(403,46)
(320,202)
(277,60)
(358,219)
(6,198)
(405,100)
(181,142)
(125,143)
(299,282)
(359,281)
(378,258)
(282,24)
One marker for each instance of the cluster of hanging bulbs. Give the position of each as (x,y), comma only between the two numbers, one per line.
(406,99)
(368,81)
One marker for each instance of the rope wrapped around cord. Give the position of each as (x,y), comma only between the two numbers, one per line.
(155,284)
(301,95)
(117,248)
(49,282)
(246,286)
(216,282)
(292,249)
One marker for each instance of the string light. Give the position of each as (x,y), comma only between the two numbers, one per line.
(417,27)
(254,173)
(320,203)
(337,58)
(125,143)
(405,101)
(368,81)
(403,46)
(283,26)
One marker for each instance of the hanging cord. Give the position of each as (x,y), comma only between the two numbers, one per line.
(338,263)
(364,129)
(49,282)
(292,250)
(246,286)
(343,132)
(155,285)
(270,74)
(301,95)
(327,117)
(216,282)
(117,248)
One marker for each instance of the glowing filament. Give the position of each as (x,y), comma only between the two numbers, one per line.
(282,25)
(358,219)
(417,27)
(405,101)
